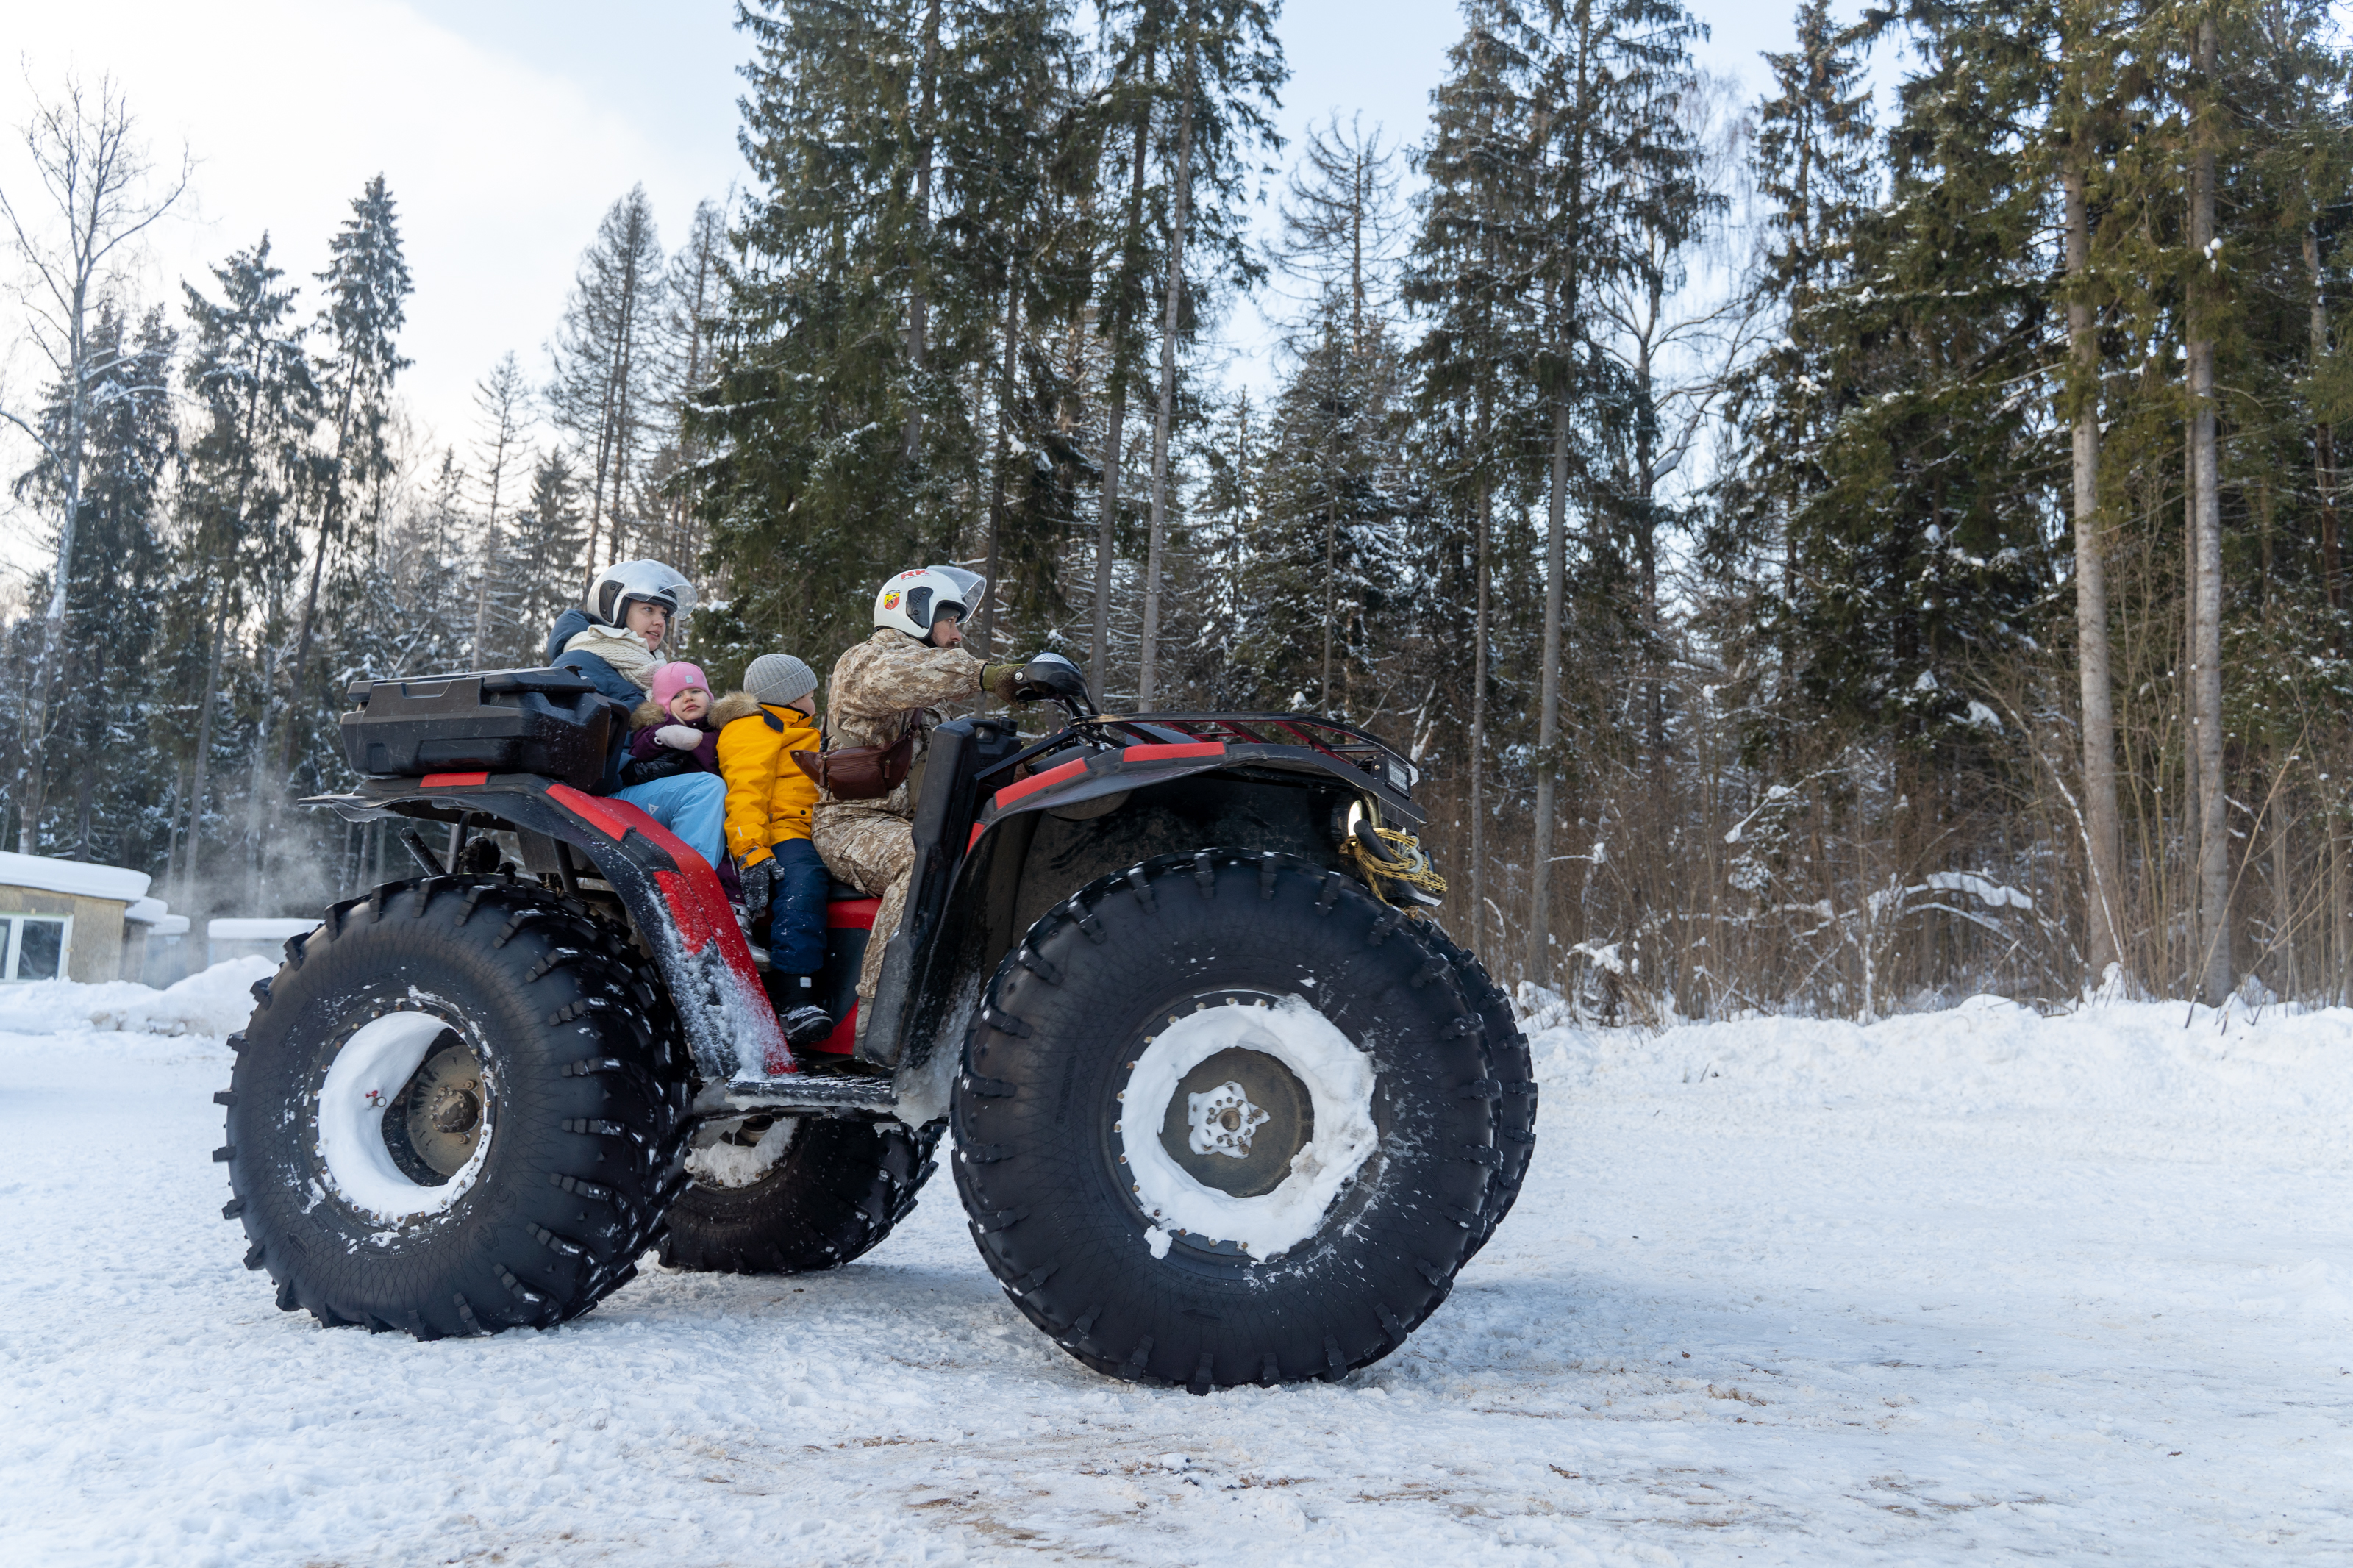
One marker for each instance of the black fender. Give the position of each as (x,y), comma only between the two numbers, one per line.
(673,895)
(992,860)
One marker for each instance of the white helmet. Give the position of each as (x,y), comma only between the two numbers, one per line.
(609,595)
(912,601)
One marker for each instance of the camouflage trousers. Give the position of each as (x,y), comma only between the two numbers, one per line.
(873,851)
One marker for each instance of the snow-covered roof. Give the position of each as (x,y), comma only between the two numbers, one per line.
(168,925)
(77,878)
(147,912)
(256,929)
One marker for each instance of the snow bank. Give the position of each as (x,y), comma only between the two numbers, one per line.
(1988,1055)
(241,928)
(212,1001)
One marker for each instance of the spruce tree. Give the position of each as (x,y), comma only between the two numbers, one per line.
(1608,132)
(366,291)
(246,460)
(1469,278)
(1227,68)
(101,781)
(811,495)
(503,400)
(603,392)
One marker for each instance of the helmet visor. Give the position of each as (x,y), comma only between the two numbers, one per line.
(970,586)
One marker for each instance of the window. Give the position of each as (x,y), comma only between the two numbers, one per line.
(35,947)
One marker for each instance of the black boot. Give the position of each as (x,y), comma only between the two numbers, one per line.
(805,1022)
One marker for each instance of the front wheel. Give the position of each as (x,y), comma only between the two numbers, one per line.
(1226,1118)
(456,1109)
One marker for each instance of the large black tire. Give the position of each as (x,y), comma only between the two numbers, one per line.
(1515,1074)
(837,1192)
(1041,1154)
(577,1095)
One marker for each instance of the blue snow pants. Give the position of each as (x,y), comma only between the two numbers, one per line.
(796,909)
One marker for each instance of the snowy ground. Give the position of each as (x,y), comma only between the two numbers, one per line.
(1965,1284)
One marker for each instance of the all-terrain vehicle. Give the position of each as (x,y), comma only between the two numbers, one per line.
(1229,1107)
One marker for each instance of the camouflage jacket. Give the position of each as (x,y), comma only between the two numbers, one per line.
(885,686)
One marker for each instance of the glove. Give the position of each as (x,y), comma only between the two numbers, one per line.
(1000,679)
(678,737)
(759,885)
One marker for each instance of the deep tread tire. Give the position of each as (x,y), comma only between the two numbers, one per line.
(840,1188)
(1515,1073)
(1034,1109)
(575,1036)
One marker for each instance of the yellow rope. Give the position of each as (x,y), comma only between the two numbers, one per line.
(1411,866)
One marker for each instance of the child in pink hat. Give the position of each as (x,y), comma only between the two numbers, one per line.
(673,769)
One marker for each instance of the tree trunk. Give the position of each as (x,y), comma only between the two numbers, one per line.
(988,605)
(2103,879)
(1115,423)
(2284,974)
(203,747)
(32,799)
(2213,831)
(2324,451)
(1479,712)
(918,304)
(1148,660)
(1549,717)
(1331,601)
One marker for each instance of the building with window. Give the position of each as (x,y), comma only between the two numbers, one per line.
(66,920)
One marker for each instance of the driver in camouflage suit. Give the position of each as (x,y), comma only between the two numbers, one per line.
(893,682)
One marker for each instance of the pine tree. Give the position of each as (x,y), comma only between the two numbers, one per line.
(1469,277)
(1332,487)
(1813,171)
(504,400)
(97,758)
(550,552)
(366,287)
(1005,121)
(1340,223)
(692,295)
(1608,135)
(257,404)
(1227,68)
(811,398)
(84,155)
(1328,549)
(604,392)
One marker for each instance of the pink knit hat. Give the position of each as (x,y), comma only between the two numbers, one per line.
(674,678)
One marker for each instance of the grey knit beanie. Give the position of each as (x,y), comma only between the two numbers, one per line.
(780,679)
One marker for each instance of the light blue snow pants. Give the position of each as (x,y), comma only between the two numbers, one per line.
(692,805)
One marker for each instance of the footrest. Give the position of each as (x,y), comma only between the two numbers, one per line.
(810,1093)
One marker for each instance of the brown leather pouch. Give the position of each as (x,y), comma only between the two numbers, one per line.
(859,772)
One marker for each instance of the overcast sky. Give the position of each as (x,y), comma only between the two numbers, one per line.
(505,128)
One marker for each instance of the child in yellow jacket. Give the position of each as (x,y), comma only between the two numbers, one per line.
(768,805)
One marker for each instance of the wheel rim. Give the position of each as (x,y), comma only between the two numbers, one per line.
(1245,1114)
(405,1117)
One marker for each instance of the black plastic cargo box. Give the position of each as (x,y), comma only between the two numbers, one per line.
(545,721)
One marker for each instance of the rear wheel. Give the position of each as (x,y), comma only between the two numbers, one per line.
(790,1194)
(453,1111)
(1515,1082)
(1226,1119)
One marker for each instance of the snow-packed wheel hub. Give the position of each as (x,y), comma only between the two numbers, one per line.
(740,1154)
(1237,1121)
(404,1116)
(445,1111)
(1260,1114)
